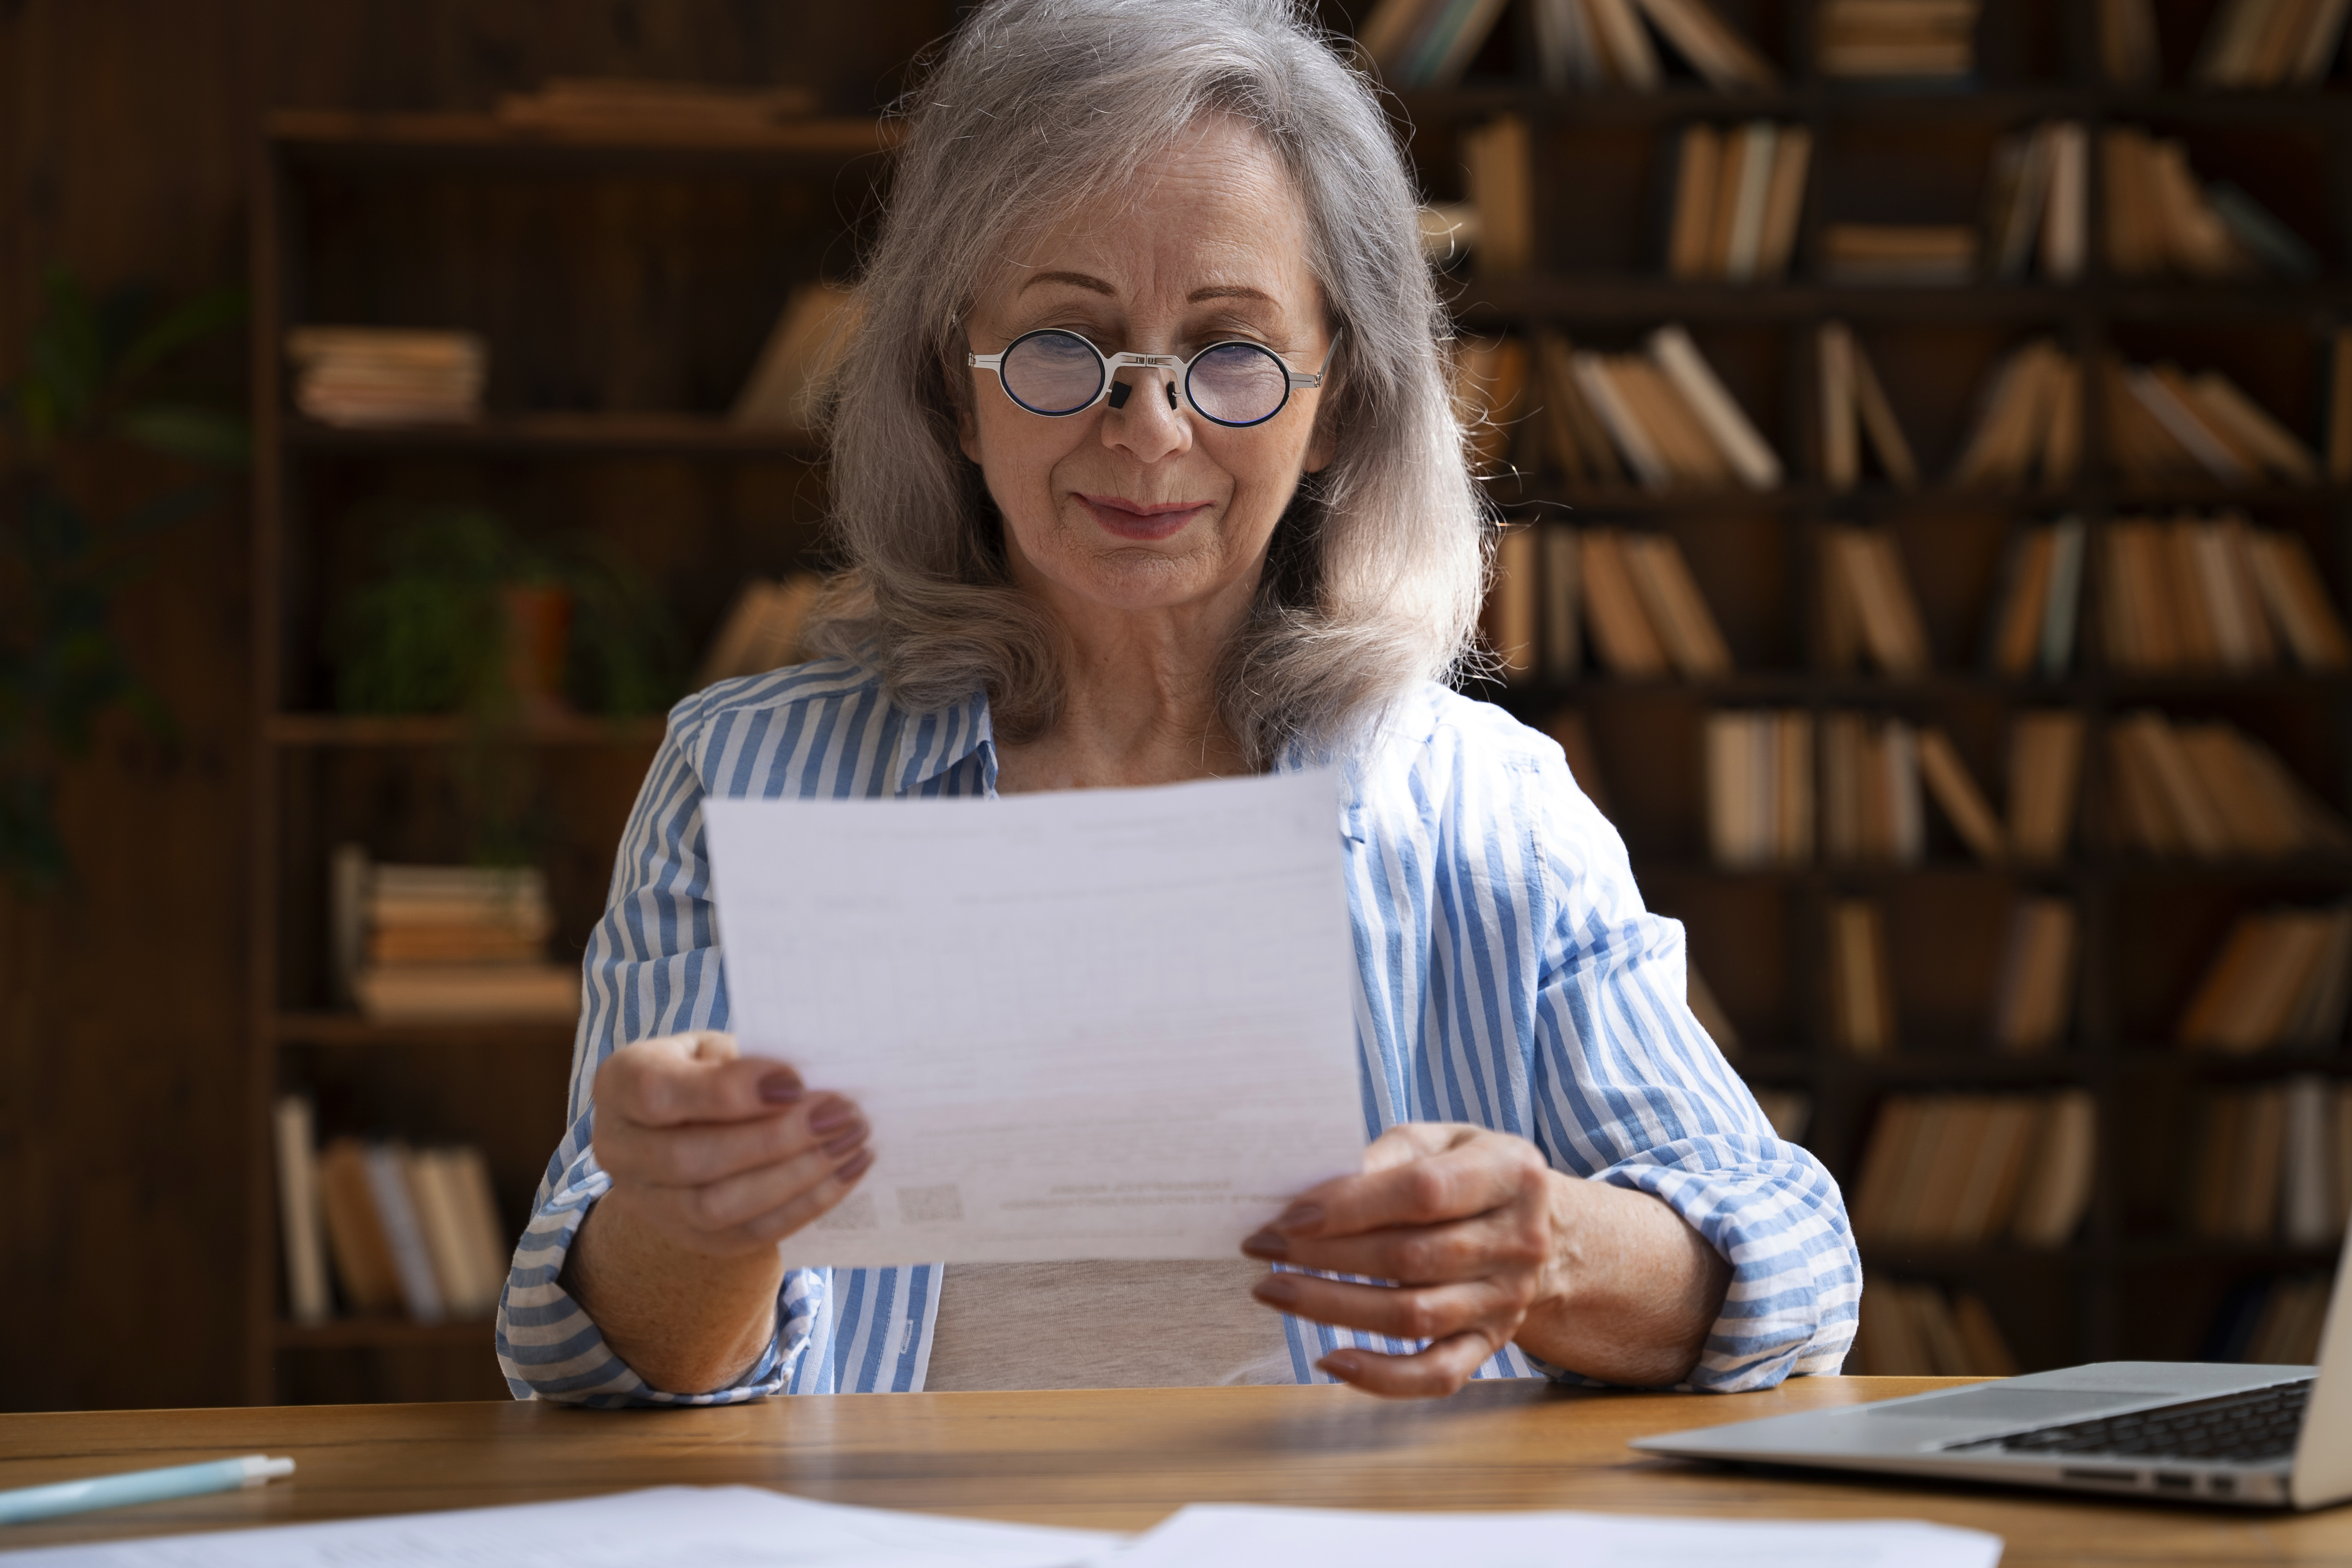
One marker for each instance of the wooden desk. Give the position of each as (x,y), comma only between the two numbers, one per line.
(1111,1460)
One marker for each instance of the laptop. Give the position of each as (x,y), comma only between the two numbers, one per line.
(2261,1437)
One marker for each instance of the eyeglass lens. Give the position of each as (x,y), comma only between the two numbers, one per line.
(1059,372)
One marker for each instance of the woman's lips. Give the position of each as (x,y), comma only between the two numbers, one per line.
(1142,521)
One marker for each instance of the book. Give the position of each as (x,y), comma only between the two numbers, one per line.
(1678,611)
(2024,412)
(1567,726)
(302,1226)
(2309,1156)
(1869,775)
(1724,421)
(1962,1169)
(1896,38)
(1559,600)
(2278,979)
(434,944)
(1629,436)
(1512,599)
(2056,1190)
(1868,606)
(627,105)
(2129,51)
(2296,602)
(762,630)
(381,376)
(1862,987)
(1569,53)
(2045,754)
(2210,790)
(1917,254)
(789,382)
(1621,632)
(2166,426)
(458,1214)
(1499,180)
(1633,60)
(2187,594)
(1727,61)
(1759,787)
(1916,1329)
(365,1274)
(2257,233)
(2268,43)
(1708,1011)
(2031,629)
(2017,198)
(2065,222)
(1741,223)
(1854,403)
(1955,791)
(2034,994)
(1575,441)
(1699,163)
(1784,201)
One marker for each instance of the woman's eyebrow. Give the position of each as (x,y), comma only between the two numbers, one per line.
(1229,291)
(1075,280)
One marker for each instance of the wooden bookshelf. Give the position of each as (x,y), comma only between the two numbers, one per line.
(2130,1283)
(624,282)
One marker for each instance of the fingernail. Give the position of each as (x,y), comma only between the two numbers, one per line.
(847,1142)
(779,1087)
(832,1117)
(1341,1365)
(1298,1217)
(855,1168)
(1265,1243)
(1276,1290)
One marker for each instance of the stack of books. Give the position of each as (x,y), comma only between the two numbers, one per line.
(1912,1328)
(1920,255)
(2268,43)
(1644,608)
(1960,1170)
(1738,194)
(378,375)
(409,1230)
(1867,607)
(1566,435)
(762,630)
(1532,619)
(2215,594)
(1870,776)
(1601,43)
(2282,978)
(2208,791)
(1671,419)
(2166,425)
(2033,998)
(2160,219)
(2037,203)
(445,945)
(2038,604)
(2045,760)
(1902,38)
(2029,422)
(1759,787)
(625,104)
(2274,1164)
(1861,1009)
(1854,402)
(2274,1322)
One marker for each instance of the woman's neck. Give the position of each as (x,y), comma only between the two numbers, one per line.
(1139,704)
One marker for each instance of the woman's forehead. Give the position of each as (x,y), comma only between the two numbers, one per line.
(1213,218)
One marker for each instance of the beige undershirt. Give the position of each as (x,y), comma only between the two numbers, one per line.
(1104,1325)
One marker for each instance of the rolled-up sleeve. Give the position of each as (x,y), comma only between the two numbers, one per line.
(652,969)
(1638,1096)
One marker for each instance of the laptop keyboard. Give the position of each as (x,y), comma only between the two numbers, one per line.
(2258,1425)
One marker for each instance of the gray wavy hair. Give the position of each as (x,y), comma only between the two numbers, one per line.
(1374,579)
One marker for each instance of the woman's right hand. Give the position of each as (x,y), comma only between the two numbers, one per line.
(718,1154)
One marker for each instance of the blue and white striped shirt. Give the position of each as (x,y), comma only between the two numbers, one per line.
(1510,976)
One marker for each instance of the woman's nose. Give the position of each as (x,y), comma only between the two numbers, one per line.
(1147,417)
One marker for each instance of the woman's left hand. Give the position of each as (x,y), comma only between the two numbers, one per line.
(1467,1222)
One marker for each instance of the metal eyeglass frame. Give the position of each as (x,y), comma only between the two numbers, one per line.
(1117,391)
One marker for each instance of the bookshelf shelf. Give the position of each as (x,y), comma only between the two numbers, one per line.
(351,1029)
(564,435)
(485,143)
(321,731)
(381,1333)
(1818,98)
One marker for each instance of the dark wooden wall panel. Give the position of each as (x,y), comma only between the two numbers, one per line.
(126,133)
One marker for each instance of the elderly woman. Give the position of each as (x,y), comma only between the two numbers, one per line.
(1145,470)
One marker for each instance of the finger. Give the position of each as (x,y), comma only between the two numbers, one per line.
(1409,1141)
(810,1207)
(682,1079)
(1505,1240)
(697,1153)
(1413,1313)
(1470,1178)
(1435,1373)
(711,1212)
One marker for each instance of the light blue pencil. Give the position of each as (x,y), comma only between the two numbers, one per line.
(28,1503)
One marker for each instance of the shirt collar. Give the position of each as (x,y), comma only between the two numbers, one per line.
(934,743)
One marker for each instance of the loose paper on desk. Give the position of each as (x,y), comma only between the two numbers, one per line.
(661,1527)
(1238,1536)
(1113,1023)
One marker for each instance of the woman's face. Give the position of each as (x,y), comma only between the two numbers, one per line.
(1146,507)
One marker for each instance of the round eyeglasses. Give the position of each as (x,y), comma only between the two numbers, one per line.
(1057,372)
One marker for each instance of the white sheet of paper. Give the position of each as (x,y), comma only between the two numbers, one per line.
(1240,1536)
(662,1527)
(1092,1024)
